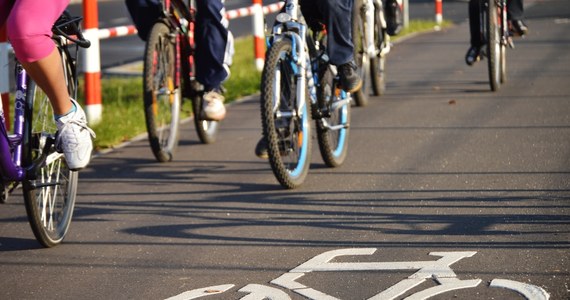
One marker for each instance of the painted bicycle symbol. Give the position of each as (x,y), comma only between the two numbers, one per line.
(438,270)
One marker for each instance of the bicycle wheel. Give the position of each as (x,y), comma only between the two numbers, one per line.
(49,189)
(378,62)
(493,45)
(332,129)
(361,56)
(207,130)
(162,92)
(286,126)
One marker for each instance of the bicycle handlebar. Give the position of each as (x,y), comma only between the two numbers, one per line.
(67,26)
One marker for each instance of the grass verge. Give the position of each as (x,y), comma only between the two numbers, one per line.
(123,117)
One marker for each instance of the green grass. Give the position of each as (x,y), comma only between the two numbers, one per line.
(418,26)
(123,117)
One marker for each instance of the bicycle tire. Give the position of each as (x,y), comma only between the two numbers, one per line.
(493,46)
(49,192)
(378,62)
(287,133)
(207,130)
(332,129)
(162,92)
(361,56)
(504,37)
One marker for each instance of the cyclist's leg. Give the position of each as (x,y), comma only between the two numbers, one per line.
(38,54)
(515,9)
(214,50)
(338,19)
(36,51)
(515,14)
(473,52)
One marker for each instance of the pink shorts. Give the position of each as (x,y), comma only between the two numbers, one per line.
(28,25)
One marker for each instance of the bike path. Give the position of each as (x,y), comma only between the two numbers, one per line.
(445,184)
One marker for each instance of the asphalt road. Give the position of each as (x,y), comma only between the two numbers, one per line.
(446,186)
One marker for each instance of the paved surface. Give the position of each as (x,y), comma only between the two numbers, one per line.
(446,185)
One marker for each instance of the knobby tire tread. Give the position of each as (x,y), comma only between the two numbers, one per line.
(278,167)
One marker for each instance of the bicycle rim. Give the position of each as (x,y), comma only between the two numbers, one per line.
(285,127)
(162,93)
(361,56)
(332,129)
(50,193)
(493,45)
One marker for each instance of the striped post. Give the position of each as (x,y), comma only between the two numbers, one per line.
(116,32)
(438,11)
(92,63)
(258,34)
(4,79)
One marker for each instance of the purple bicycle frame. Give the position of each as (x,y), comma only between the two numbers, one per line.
(11,145)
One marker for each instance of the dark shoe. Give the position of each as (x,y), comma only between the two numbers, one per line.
(350,81)
(473,55)
(518,27)
(394,19)
(261,149)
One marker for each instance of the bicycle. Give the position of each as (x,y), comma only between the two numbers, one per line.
(299,85)
(371,46)
(169,76)
(495,32)
(29,156)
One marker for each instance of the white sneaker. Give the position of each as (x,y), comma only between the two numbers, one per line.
(213,108)
(74,138)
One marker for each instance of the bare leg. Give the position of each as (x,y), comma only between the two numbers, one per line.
(48,74)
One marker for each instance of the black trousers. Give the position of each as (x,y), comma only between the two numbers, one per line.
(337,16)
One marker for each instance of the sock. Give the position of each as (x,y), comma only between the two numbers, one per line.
(72,110)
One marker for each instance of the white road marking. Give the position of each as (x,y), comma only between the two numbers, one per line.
(201,292)
(531,292)
(438,269)
(446,285)
(262,292)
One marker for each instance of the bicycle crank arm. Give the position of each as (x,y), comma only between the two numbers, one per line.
(335,127)
(40,162)
(340,103)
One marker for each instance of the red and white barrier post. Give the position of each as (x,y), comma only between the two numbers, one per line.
(438,11)
(92,63)
(258,34)
(4,79)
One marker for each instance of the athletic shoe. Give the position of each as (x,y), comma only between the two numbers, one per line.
(473,55)
(349,78)
(519,27)
(213,108)
(261,149)
(73,138)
